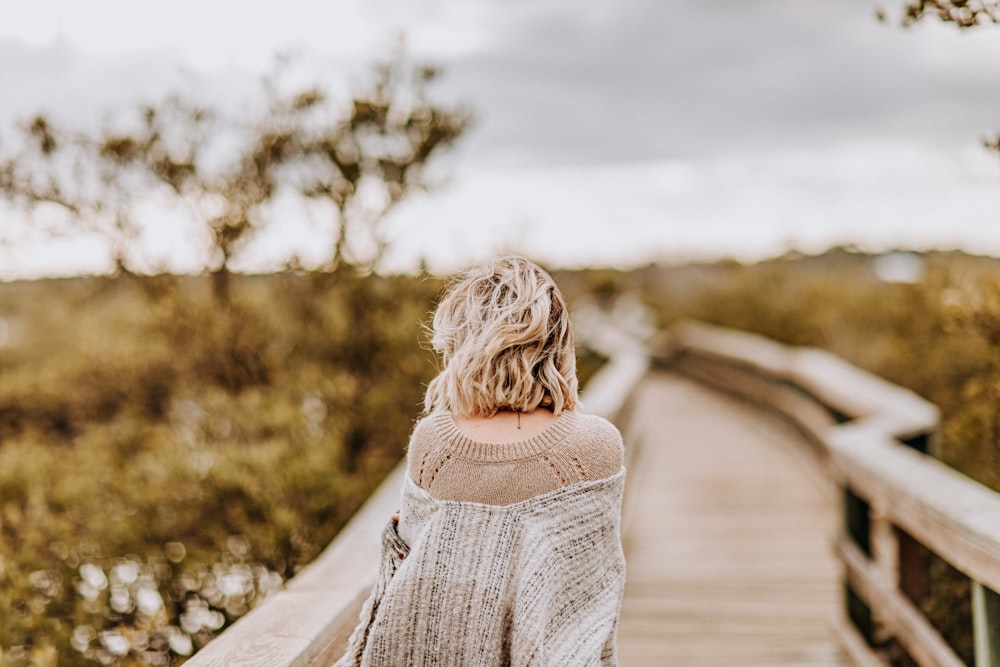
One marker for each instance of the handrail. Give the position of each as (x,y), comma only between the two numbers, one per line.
(307,624)
(873,437)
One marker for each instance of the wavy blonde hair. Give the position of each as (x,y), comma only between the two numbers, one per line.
(504,336)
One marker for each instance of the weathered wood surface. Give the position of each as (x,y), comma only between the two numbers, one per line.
(865,398)
(956,517)
(728,531)
(905,621)
(907,494)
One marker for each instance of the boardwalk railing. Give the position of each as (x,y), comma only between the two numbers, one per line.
(901,506)
(308,623)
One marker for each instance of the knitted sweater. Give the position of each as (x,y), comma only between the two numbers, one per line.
(536,583)
(575,447)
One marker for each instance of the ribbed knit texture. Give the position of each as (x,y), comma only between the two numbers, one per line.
(536,583)
(452,466)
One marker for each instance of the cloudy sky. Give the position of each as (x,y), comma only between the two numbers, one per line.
(607,131)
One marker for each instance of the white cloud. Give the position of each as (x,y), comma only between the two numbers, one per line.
(748,207)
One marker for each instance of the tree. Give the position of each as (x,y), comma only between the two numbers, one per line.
(172,149)
(367,162)
(961,13)
(362,158)
(68,189)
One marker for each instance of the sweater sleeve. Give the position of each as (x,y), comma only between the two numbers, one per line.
(394,550)
(597,451)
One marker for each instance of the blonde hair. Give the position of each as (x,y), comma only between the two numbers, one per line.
(504,336)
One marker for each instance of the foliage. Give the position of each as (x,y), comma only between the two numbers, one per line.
(385,142)
(962,14)
(164,466)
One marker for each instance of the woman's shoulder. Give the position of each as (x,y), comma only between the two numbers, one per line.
(597,444)
(425,422)
(598,428)
(424,431)
(424,442)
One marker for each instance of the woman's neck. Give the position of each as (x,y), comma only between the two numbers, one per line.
(505,425)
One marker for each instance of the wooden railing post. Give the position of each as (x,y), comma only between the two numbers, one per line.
(885,553)
(986,625)
(858,527)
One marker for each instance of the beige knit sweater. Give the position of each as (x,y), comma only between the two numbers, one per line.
(505,555)
(574,448)
(536,583)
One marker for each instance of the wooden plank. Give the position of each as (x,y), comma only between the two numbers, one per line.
(727,527)
(952,515)
(903,620)
(986,619)
(278,633)
(855,646)
(834,381)
(956,517)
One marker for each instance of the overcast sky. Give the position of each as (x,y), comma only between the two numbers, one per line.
(612,131)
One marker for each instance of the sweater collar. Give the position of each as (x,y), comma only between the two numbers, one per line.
(498,452)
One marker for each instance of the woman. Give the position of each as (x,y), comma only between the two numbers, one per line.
(506,548)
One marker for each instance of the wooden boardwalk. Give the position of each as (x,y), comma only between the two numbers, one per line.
(728,531)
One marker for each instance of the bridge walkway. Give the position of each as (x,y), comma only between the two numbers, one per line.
(727,530)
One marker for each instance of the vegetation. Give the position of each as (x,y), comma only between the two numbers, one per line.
(161,469)
(960,13)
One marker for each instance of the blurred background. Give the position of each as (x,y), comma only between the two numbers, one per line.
(222,225)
